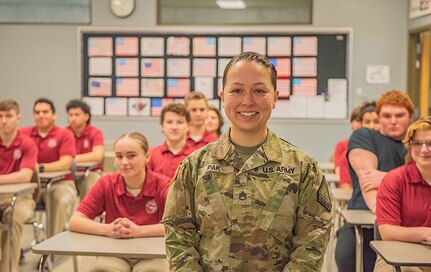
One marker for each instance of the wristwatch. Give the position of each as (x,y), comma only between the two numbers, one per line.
(41,168)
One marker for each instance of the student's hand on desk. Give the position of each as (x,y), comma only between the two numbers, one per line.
(129,229)
(115,229)
(370,180)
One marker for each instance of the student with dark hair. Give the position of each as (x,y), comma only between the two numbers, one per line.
(89,142)
(18,158)
(165,158)
(56,151)
(214,121)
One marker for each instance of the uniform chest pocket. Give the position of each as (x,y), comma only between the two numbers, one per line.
(279,214)
(212,215)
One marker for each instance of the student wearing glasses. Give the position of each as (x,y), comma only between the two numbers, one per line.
(403,198)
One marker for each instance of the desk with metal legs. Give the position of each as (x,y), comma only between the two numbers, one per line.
(359,219)
(79,244)
(15,190)
(403,254)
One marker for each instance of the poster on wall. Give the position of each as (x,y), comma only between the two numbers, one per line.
(419,8)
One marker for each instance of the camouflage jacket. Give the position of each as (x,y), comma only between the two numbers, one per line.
(271,214)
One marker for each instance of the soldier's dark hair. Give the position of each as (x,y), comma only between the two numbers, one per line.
(77,103)
(253,57)
(44,100)
(177,108)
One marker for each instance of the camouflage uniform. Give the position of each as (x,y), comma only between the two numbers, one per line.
(271,214)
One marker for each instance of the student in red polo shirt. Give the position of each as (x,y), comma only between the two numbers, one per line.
(56,150)
(197,105)
(133,199)
(18,157)
(89,143)
(404,196)
(165,158)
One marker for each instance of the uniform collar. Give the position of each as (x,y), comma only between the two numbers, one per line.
(15,143)
(85,132)
(35,131)
(149,189)
(270,150)
(413,174)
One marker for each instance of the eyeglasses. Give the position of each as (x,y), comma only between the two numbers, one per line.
(418,144)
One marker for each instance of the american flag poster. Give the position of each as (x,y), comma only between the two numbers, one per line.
(116,106)
(282,65)
(126,46)
(153,67)
(229,46)
(205,85)
(99,86)
(152,46)
(204,67)
(305,67)
(178,67)
(178,87)
(126,67)
(283,86)
(139,106)
(157,105)
(100,47)
(127,87)
(279,46)
(204,46)
(152,87)
(255,44)
(305,46)
(304,86)
(178,46)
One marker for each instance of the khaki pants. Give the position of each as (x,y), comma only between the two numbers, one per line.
(114,264)
(23,211)
(84,184)
(382,266)
(63,201)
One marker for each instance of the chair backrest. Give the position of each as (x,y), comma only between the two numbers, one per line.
(377,235)
(38,192)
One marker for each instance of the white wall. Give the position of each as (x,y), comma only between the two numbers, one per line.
(43,60)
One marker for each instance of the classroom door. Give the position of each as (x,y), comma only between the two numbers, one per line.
(419,72)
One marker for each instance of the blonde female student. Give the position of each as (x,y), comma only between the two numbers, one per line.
(133,199)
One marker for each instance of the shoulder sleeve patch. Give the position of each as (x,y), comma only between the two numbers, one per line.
(323,195)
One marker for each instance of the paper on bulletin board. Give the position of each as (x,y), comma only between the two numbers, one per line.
(126,46)
(283,87)
(204,46)
(96,105)
(336,103)
(204,67)
(153,87)
(315,106)
(254,44)
(279,46)
(178,67)
(99,86)
(100,46)
(126,67)
(178,87)
(229,46)
(127,86)
(297,107)
(304,67)
(152,67)
(378,74)
(304,86)
(116,106)
(100,66)
(282,65)
(221,66)
(139,106)
(205,85)
(305,46)
(178,46)
(157,105)
(152,46)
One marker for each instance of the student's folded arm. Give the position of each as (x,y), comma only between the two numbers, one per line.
(96,154)
(22,176)
(63,164)
(405,234)
(79,222)
(363,163)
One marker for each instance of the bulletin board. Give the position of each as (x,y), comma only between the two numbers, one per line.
(137,72)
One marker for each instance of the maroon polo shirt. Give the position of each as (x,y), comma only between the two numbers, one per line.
(206,139)
(22,153)
(163,161)
(90,137)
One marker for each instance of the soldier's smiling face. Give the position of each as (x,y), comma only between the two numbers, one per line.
(248,97)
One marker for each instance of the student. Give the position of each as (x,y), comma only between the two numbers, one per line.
(403,199)
(340,158)
(248,201)
(89,142)
(371,154)
(369,117)
(133,199)
(165,158)
(197,105)
(214,121)
(18,158)
(56,150)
